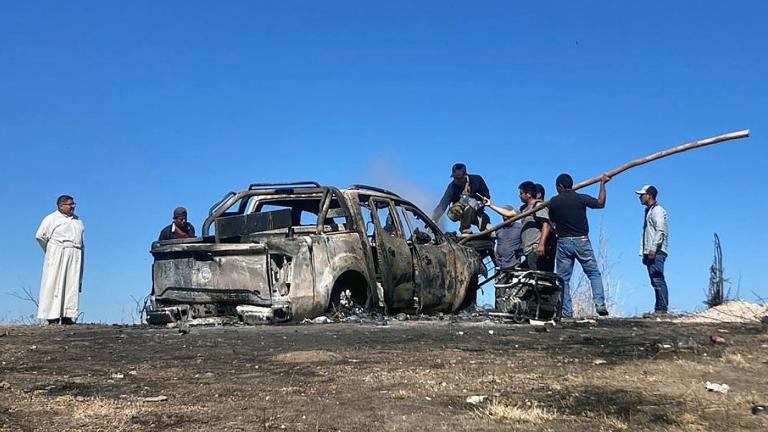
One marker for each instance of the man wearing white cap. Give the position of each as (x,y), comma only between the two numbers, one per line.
(653,245)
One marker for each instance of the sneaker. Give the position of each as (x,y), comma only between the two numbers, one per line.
(67,321)
(603,311)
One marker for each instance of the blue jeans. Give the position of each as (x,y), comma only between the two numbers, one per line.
(578,248)
(656,273)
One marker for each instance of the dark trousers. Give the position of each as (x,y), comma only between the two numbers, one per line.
(656,273)
(541,263)
(471,217)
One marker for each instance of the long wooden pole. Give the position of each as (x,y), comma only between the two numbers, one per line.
(631,164)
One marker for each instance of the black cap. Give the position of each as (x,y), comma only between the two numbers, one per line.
(179,211)
(458,169)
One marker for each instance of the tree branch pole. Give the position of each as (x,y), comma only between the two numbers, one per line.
(631,164)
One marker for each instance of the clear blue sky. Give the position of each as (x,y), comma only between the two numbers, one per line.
(135,108)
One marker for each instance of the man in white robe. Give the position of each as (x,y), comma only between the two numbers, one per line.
(61,237)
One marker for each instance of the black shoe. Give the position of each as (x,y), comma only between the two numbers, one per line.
(602,311)
(66,321)
(53,321)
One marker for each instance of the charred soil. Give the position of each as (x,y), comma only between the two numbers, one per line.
(408,375)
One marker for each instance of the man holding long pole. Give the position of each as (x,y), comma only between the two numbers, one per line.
(568,212)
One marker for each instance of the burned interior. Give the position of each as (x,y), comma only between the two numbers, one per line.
(278,252)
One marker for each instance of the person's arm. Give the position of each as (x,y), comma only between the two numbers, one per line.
(500,210)
(601,195)
(543,216)
(442,205)
(545,229)
(42,236)
(191,229)
(659,221)
(165,234)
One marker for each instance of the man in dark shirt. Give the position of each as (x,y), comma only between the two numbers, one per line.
(179,228)
(464,194)
(568,213)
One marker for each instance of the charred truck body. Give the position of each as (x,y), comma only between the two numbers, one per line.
(288,251)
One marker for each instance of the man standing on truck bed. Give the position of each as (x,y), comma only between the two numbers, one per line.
(568,213)
(464,194)
(179,227)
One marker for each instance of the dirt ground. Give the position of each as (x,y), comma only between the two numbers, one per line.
(408,375)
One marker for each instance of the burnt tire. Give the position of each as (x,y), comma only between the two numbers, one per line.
(350,290)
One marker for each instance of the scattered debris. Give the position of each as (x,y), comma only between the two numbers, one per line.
(475,400)
(663,347)
(718,388)
(211,321)
(4,385)
(760,409)
(589,322)
(599,362)
(321,320)
(79,399)
(687,343)
(549,323)
(117,375)
(717,339)
(255,315)
(155,399)
(490,332)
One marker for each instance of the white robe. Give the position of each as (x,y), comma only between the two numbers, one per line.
(61,238)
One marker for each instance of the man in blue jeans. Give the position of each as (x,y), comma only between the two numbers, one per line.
(654,244)
(568,213)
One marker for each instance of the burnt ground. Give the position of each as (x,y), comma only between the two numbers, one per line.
(404,376)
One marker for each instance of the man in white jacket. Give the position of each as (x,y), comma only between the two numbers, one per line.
(61,237)
(654,245)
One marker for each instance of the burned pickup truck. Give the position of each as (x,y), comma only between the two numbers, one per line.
(278,252)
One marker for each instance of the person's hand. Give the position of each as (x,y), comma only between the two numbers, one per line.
(605,178)
(540,249)
(485,201)
(652,255)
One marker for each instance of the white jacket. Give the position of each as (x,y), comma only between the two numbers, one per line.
(655,231)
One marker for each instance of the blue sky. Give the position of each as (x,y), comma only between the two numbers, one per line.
(135,108)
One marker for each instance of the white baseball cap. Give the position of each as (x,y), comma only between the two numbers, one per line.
(649,189)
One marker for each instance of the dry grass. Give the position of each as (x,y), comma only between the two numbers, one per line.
(119,414)
(735,359)
(400,395)
(502,412)
(614,424)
